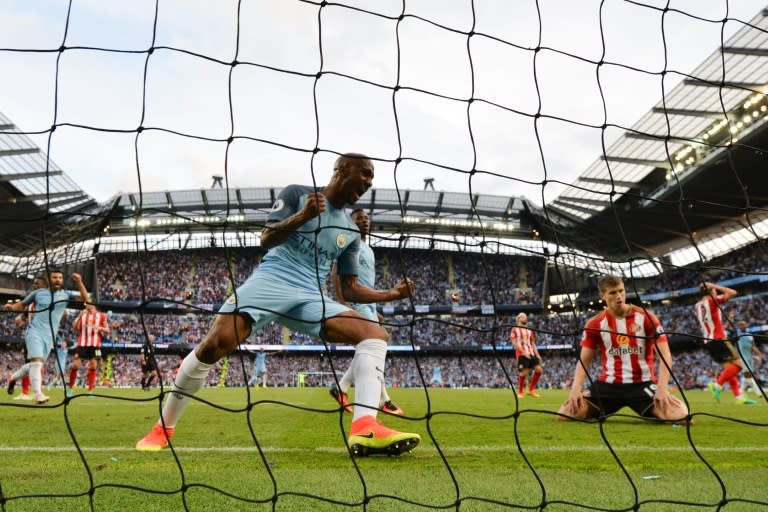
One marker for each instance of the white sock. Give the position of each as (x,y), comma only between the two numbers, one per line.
(190,379)
(347,379)
(36,377)
(384,395)
(368,364)
(21,372)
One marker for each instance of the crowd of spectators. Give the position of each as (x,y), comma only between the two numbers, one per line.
(463,278)
(199,280)
(752,259)
(196,277)
(205,276)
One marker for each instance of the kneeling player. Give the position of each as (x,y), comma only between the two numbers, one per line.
(626,337)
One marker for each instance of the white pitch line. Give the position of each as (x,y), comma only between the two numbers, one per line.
(448,450)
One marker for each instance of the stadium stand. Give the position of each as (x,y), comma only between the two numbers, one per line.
(193,280)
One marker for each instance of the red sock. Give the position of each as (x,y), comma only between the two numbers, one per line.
(734,383)
(520,385)
(534,380)
(25,384)
(72,377)
(731,370)
(91,378)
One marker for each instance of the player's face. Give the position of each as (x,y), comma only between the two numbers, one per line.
(357,179)
(37,284)
(57,280)
(362,222)
(522,320)
(615,298)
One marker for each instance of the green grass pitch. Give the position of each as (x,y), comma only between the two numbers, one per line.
(480,451)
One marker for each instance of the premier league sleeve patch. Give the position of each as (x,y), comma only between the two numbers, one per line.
(279,205)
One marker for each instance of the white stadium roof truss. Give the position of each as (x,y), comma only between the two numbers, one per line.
(723,99)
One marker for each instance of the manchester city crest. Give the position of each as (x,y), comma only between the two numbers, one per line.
(341,240)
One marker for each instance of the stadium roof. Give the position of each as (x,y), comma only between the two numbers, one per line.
(693,161)
(686,178)
(38,201)
(394,211)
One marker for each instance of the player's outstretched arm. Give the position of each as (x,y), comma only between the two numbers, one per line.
(14,306)
(336,280)
(354,291)
(84,296)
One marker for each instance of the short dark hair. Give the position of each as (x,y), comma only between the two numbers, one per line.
(356,210)
(347,158)
(608,281)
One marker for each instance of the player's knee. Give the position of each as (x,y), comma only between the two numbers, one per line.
(215,346)
(222,339)
(375,332)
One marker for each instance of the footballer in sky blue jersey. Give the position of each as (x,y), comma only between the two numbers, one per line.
(49,304)
(306,231)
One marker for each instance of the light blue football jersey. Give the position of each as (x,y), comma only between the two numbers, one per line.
(306,257)
(49,309)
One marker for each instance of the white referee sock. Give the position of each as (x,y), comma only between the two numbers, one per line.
(21,372)
(190,379)
(36,377)
(368,367)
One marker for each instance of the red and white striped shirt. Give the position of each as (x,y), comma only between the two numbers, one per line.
(522,339)
(625,344)
(90,336)
(710,320)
